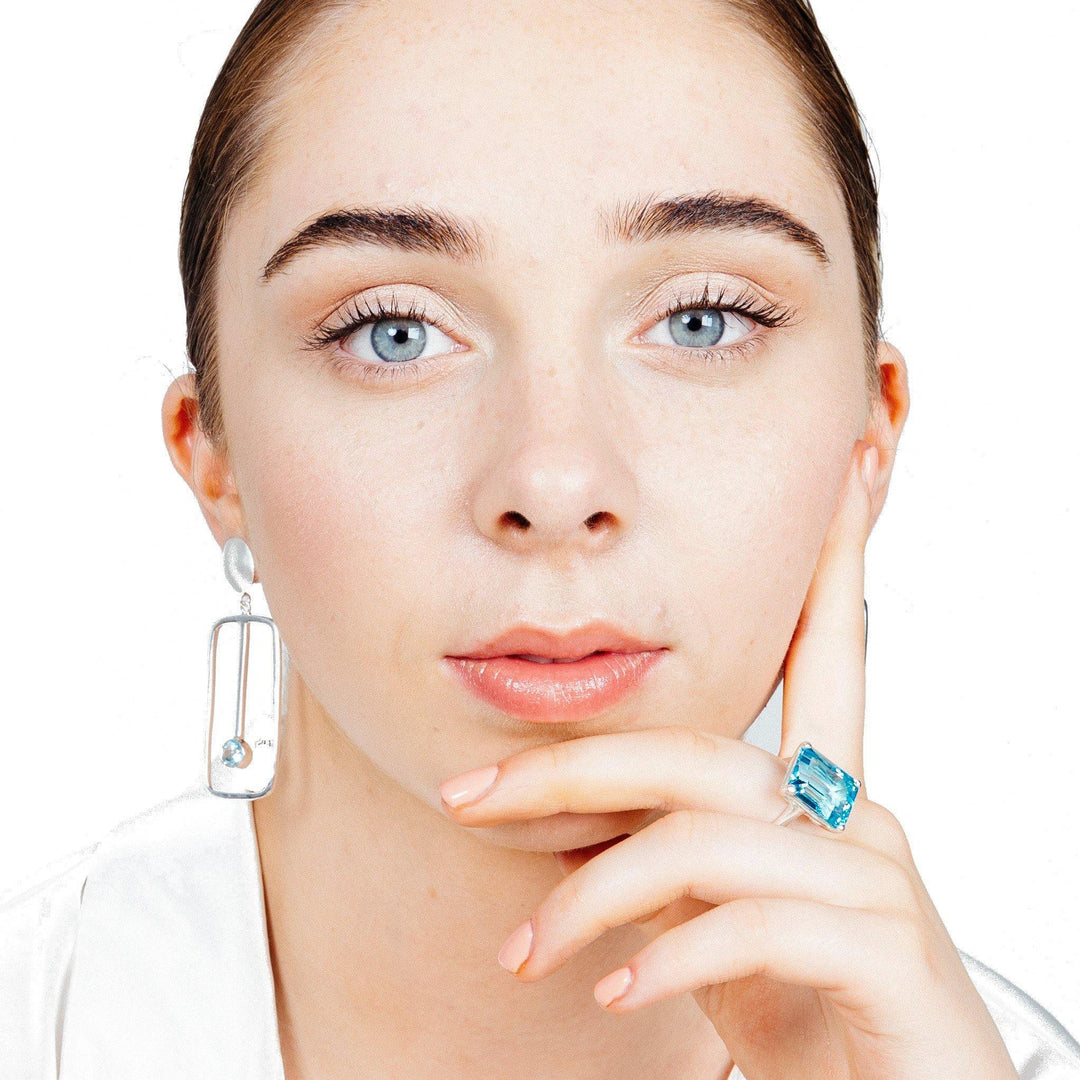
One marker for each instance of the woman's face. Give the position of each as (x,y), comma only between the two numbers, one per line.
(407,500)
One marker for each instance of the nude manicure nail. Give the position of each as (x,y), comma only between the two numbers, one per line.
(516,948)
(468,786)
(613,986)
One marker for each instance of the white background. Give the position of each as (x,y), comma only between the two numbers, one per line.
(113,579)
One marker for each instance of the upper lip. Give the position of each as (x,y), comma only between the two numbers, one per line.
(561,645)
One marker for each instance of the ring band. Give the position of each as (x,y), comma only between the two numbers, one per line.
(818,788)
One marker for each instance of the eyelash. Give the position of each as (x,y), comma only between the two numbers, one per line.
(361,313)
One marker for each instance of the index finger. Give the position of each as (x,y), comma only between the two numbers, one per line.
(824,676)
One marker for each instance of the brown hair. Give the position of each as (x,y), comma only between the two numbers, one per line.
(239,115)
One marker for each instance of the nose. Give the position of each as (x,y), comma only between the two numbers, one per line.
(556,479)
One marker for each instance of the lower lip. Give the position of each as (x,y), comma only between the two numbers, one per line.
(555,693)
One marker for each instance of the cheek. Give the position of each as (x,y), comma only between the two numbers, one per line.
(746,532)
(343,532)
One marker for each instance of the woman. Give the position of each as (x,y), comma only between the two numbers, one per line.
(524,332)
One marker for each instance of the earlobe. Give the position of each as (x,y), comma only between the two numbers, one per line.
(201,465)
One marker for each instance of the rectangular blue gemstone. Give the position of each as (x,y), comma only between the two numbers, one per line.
(820,785)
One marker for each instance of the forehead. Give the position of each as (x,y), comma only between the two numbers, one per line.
(528,114)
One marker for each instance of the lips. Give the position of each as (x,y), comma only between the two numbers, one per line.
(612,663)
(555,692)
(570,644)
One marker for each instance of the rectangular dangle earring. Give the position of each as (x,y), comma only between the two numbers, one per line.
(243,714)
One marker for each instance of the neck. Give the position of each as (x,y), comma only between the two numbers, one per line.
(384,921)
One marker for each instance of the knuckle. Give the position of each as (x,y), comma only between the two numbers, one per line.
(567,901)
(914,941)
(752,922)
(890,822)
(693,740)
(553,755)
(894,838)
(892,949)
(897,886)
(556,762)
(683,827)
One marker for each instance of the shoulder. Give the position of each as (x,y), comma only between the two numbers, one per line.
(144,835)
(40,920)
(38,913)
(1039,1045)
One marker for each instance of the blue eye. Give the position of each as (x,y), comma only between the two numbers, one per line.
(393,339)
(703,328)
(707,327)
(382,341)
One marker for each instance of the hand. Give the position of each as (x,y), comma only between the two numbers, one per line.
(813,953)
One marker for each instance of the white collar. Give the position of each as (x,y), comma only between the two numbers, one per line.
(171,969)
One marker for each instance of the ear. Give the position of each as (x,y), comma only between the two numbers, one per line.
(204,467)
(886,418)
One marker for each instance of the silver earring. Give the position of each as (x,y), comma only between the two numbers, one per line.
(241,764)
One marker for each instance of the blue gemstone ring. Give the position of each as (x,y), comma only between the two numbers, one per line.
(818,788)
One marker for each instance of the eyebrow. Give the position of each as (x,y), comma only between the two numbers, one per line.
(640,220)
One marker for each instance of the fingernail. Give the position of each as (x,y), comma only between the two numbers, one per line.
(516,947)
(869,466)
(469,786)
(613,986)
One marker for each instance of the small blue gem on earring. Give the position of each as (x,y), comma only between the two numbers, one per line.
(235,753)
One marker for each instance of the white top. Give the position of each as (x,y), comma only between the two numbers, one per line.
(146,955)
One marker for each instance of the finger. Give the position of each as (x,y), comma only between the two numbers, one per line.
(666,768)
(824,675)
(859,957)
(710,857)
